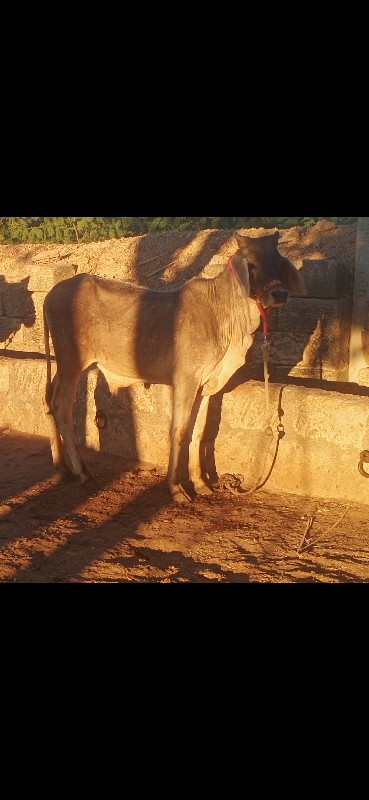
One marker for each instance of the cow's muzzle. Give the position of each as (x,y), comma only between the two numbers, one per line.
(273,294)
(279,297)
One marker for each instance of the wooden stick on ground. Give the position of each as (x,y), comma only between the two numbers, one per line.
(325,532)
(308,528)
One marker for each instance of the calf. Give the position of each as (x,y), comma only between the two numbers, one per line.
(192,338)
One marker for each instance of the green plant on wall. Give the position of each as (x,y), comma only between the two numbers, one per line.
(44,230)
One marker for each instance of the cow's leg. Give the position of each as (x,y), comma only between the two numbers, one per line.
(183,399)
(57,451)
(199,416)
(65,388)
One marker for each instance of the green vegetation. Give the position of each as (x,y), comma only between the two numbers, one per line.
(48,230)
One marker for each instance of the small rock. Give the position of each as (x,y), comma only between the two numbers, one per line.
(5,511)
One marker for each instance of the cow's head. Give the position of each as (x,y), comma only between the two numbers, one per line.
(265,275)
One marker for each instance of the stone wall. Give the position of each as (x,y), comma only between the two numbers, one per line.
(323,433)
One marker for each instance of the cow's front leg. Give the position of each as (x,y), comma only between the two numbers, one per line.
(198,420)
(183,400)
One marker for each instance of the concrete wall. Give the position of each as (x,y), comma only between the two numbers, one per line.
(359,342)
(324,432)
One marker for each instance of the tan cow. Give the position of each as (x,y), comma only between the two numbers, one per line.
(192,338)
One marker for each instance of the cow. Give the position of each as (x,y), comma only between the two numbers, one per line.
(193,338)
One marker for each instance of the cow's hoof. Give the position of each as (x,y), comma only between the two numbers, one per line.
(203,490)
(65,473)
(85,477)
(181,497)
(61,466)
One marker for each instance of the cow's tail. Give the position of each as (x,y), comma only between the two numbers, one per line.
(48,392)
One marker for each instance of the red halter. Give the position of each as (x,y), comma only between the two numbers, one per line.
(264,312)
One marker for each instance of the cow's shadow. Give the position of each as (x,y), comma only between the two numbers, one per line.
(122,432)
(106,424)
(115,421)
(16,309)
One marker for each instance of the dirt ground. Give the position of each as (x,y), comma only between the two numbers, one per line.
(122,526)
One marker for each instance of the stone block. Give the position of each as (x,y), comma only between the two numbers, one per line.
(22,386)
(363,379)
(326,278)
(322,354)
(289,348)
(306,314)
(33,338)
(44,276)
(4,378)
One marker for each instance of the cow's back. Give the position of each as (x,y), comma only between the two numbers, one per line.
(145,334)
(125,327)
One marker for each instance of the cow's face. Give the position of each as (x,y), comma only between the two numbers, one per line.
(272,277)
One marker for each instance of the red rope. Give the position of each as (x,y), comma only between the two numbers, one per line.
(265,314)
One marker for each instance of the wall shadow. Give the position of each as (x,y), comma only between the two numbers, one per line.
(180,261)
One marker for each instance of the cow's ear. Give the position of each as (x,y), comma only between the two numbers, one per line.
(291,277)
(276,237)
(241,270)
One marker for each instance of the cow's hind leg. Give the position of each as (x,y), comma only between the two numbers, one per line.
(57,450)
(61,406)
(183,400)
(199,417)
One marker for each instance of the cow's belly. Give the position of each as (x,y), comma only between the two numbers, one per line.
(220,375)
(117,381)
(124,361)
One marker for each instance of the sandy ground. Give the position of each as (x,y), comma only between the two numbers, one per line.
(123,528)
